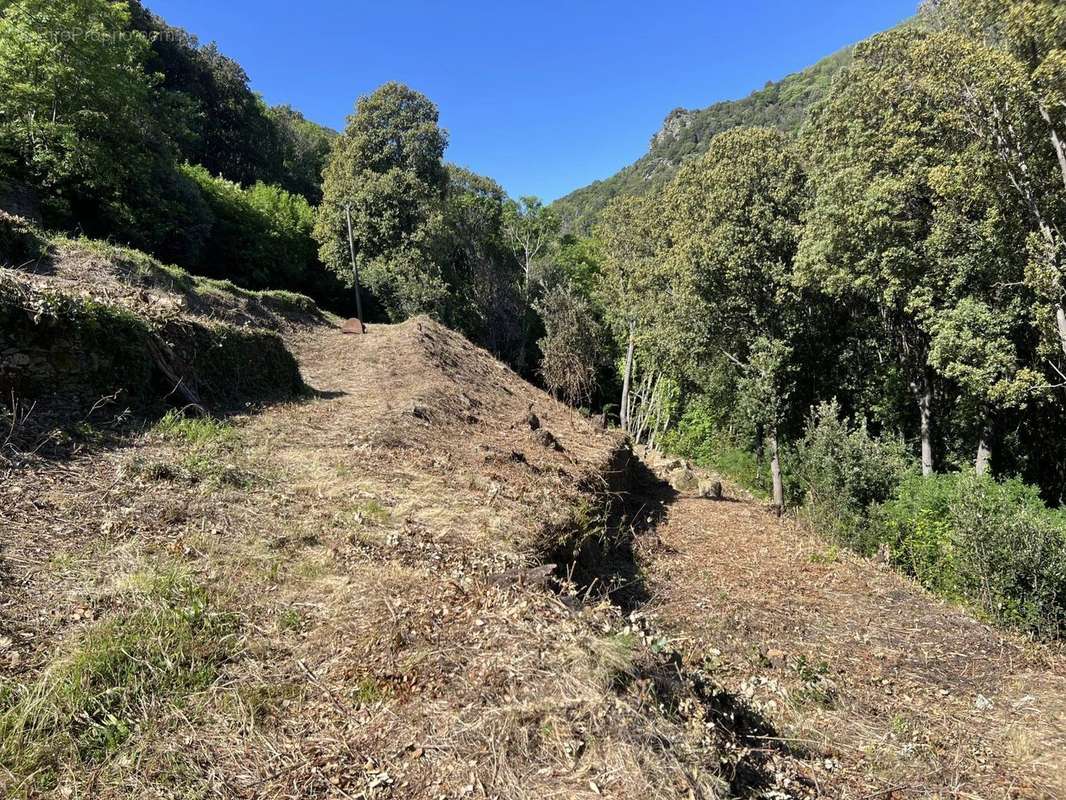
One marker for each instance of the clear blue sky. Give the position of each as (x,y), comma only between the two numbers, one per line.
(544,97)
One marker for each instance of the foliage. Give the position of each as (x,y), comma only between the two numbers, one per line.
(571,348)
(993,544)
(386,170)
(843,471)
(259,237)
(701,434)
(484,280)
(75,111)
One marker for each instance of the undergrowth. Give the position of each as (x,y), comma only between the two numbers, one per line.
(164,643)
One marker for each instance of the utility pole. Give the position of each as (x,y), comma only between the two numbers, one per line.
(355,268)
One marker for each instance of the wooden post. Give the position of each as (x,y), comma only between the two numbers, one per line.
(355,268)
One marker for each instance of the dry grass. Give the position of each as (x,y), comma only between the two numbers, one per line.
(903,694)
(377,655)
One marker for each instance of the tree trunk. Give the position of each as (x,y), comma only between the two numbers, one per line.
(1060,324)
(775,469)
(984,450)
(925,410)
(627,377)
(1056,141)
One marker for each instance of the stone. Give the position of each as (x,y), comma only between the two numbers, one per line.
(712,490)
(545,438)
(353,326)
(684,480)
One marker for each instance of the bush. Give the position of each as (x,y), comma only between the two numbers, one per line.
(842,471)
(701,436)
(995,545)
(261,236)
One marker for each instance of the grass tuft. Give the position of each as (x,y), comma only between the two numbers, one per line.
(165,643)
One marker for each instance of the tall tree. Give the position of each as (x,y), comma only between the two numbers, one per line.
(530,229)
(484,278)
(734,225)
(74,105)
(1033,34)
(909,217)
(387,169)
(634,287)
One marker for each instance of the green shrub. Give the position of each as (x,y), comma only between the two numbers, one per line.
(261,236)
(175,426)
(165,643)
(701,437)
(993,544)
(842,471)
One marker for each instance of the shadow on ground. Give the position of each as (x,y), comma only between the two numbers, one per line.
(610,565)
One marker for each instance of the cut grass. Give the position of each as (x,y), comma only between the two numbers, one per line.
(164,644)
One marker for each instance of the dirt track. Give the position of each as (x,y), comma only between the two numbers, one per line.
(906,695)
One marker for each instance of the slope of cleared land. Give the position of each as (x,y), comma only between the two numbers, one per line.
(897,694)
(330,598)
(338,595)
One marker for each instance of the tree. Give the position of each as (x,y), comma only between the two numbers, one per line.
(571,348)
(530,229)
(909,218)
(734,227)
(387,169)
(304,150)
(634,285)
(74,106)
(1033,34)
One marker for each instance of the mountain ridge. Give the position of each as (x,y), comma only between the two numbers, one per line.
(685,134)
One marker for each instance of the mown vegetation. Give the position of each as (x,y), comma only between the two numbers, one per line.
(850,279)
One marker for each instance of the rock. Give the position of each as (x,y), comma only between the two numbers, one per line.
(353,326)
(684,480)
(711,490)
(531,419)
(545,439)
(418,412)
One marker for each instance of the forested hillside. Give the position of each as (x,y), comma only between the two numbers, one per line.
(132,130)
(687,133)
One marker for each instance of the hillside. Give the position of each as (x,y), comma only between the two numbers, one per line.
(686,134)
(331,595)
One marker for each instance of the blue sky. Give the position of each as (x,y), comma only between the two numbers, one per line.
(544,97)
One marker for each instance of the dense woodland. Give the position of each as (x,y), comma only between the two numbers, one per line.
(856,307)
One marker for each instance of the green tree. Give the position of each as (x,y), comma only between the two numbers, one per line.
(734,227)
(530,229)
(1019,108)
(634,289)
(304,150)
(74,105)
(910,222)
(386,170)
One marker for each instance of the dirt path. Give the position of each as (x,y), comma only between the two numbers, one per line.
(360,547)
(902,695)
